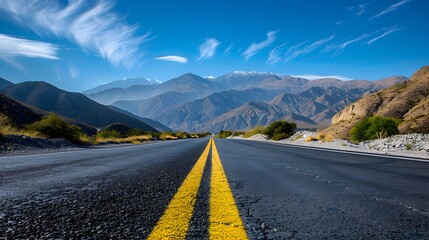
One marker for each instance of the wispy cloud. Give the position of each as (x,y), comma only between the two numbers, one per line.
(391,8)
(177,59)
(228,49)
(339,47)
(74,72)
(314,77)
(385,33)
(90,24)
(11,47)
(208,48)
(274,56)
(361,9)
(255,47)
(296,50)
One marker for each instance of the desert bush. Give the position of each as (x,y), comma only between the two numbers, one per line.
(375,127)
(310,139)
(182,135)
(224,134)
(278,127)
(256,130)
(409,146)
(236,134)
(53,127)
(325,137)
(109,134)
(137,132)
(280,136)
(167,136)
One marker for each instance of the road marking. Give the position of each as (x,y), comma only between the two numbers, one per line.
(225,221)
(174,223)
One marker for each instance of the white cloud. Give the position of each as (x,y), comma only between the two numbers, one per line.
(90,24)
(255,47)
(228,49)
(11,47)
(177,59)
(74,72)
(274,56)
(208,48)
(296,51)
(339,47)
(314,77)
(361,9)
(385,33)
(391,8)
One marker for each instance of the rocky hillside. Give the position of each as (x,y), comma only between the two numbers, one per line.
(408,101)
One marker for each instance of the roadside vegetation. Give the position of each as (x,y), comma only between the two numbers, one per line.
(52,126)
(224,134)
(375,127)
(277,130)
(7,127)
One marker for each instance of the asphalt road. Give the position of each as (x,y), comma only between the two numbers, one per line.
(274,192)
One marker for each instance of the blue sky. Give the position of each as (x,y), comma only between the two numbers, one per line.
(80,44)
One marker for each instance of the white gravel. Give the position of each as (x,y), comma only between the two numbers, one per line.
(410,145)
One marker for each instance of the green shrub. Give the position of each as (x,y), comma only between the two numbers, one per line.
(280,136)
(106,133)
(280,127)
(137,132)
(256,130)
(53,127)
(376,127)
(236,134)
(182,135)
(408,146)
(224,134)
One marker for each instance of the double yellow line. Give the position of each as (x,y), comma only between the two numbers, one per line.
(225,221)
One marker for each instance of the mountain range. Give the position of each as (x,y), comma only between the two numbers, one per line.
(240,100)
(122,84)
(408,101)
(76,106)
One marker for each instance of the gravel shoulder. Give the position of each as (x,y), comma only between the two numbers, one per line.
(407,145)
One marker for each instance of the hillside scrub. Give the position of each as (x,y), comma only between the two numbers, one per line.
(53,126)
(224,134)
(375,127)
(279,130)
(7,127)
(256,130)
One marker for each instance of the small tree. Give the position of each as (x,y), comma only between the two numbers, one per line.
(374,128)
(278,130)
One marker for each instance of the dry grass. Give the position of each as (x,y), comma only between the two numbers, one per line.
(6,128)
(167,136)
(132,139)
(310,139)
(325,137)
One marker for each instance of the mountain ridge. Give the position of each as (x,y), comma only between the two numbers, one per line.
(73,105)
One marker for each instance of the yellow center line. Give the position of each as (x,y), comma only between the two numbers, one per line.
(225,221)
(174,223)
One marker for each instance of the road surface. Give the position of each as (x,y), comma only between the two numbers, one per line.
(200,189)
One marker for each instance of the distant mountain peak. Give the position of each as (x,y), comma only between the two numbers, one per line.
(255,73)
